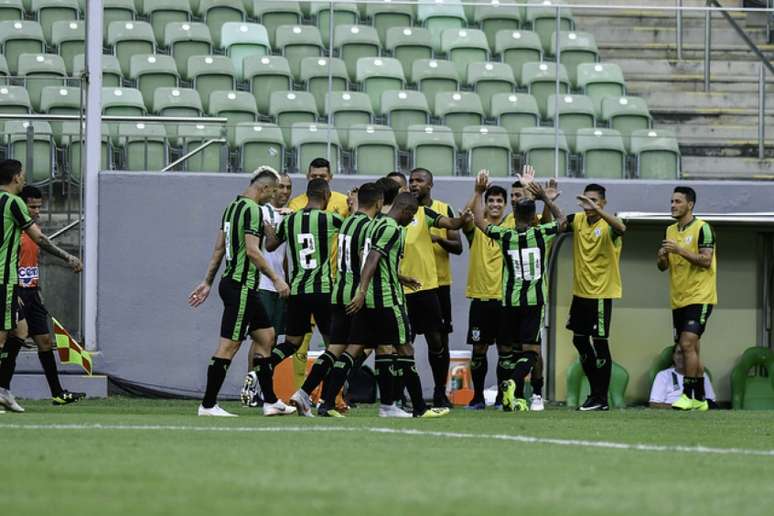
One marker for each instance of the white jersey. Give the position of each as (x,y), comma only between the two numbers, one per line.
(668,386)
(276,257)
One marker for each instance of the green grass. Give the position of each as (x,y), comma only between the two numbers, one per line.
(180,471)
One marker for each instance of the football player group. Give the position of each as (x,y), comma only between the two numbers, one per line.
(371,269)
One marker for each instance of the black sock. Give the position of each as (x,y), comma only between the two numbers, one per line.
(398,386)
(587,359)
(521,368)
(688,386)
(439,364)
(256,360)
(698,388)
(537,385)
(413,384)
(503,370)
(385,378)
(216,374)
(48,362)
(265,373)
(478,370)
(281,352)
(604,366)
(336,378)
(319,371)
(8,359)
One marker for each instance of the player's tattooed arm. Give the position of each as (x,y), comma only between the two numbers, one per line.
(45,244)
(701,259)
(539,192)
(202,290)
(254,254)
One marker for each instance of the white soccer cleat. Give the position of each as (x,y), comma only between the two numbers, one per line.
(215,411)
(536,403)
(9,401)
(302,402)
(277,409)
(392,411)
(249,389)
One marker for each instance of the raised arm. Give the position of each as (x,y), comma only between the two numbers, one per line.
(559,217)
(254,254)
(44,243)
(552,191)
(202,290)
(615,223)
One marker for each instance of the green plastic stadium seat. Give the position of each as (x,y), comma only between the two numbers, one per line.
(291,107)
(177,102)
(111,70)
(463,47)
(210,159)
(377,75)
(129,39)
(600,80)
(404,109)
(343,14)
(385,16)
(438,16)
(494,18)
(518,47)
(409,45)
(626,114)
(49,11)
(39,71)
(236,106)
(41,170)
(542,19)
(162,12)
(575,112)
(434,76)
(274,14)
(310,141)
(69,40)
(576,48)
(459,110)
(537,145)
(267,74)
(20,37)
(3,70)
(72,134)
(664,361)
(151,72)
(210,73)
(488,148)
(218,12)
(315,72)
(578,386)
(540,80)
(185,40)
(656,153)
(14,100)
(60,101)
(354,42)
(374,149)
(259,144)
(242,40)
(753,391)
(115,11)
(347,108)
(298,42)
(514,112)
(144,145)
(121,102)
(11,10)
(603,153)
(432,147)
(490,79)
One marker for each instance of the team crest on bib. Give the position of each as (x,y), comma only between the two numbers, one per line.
(475,334)
(688,239)
(598,232)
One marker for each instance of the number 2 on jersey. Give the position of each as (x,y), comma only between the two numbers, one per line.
(307,250)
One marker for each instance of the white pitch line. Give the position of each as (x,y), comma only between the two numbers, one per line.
(575,443)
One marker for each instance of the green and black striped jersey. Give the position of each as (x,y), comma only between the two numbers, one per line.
(387,238)
(242,217)
(16,218)
(308,233)
(351,241)
(524,260)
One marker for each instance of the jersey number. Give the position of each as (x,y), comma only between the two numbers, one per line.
(366,250)
(345,256)
(526,264)
(227,233)
(306,253)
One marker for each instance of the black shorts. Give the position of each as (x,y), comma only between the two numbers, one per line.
(590,317)
(341,325)
(31,309)
(483,321)
(444,298)
(372,327)
(691,318)
(519,325)
(276,309)
(302,307)
(243,312)
(9,306)
(424,311)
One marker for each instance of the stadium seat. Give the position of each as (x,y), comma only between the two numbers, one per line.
(122,102)
(433,77)
(236,106)
(20,37)
(315,72)
(111,70)
(488,148)
(217,12)
(600,80)
(626,114)
(576,48)
(602,153)
(185,40)
(489,79)
(42,169)
(377,75)
(374,149)
(291,107)
(259,144)
(298,42)
(542,19)
(464,46)
(575,112)
(144,146)
(753,392)
(664,361)
(151,72)
(409,45)
(537,145)
(60,100)
(39,71)
(212,158)
(310,141)
(49,11)
(129,39)
(514,112)
(516,48)
(11,10)
(578,386)
(343,14)
(459,110)
(72,134)
(438,15)
(241,40)
(267,74)
(68,39)
(115,11)
(345,109)
(3,70)
(386,16)
(354,42)
(432,147)
(540,80)
(162,12)
(657,155)
(14,100)
(274,14)
(404,109)
(210,73)
(177,102)
(494,18)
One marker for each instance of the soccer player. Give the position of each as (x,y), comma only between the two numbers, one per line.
(308,233)
(688,252)
(16,219)
(239,240)
(596,252)
(400,178)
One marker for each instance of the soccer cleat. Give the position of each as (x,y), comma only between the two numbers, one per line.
(392,411)
(520,405)
(509,398)
(536,403)
(302,402)
(278,408)
(9,401)
(683,403)
(433,412)
(440,400)
(214,411)
(701,406)
(593,403)
(476,405)
(249,389)
(322,412)
(67,397)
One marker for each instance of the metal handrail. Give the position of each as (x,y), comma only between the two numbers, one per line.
(116,118)
(192,153)
(62,231)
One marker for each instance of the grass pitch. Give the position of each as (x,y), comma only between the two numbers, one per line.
(148,457)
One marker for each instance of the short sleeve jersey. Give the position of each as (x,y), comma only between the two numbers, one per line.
(276,257)
(242,217)
(442,262)
(688,283)
(348,262)
(596,253)
(387,238)
(419,247)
